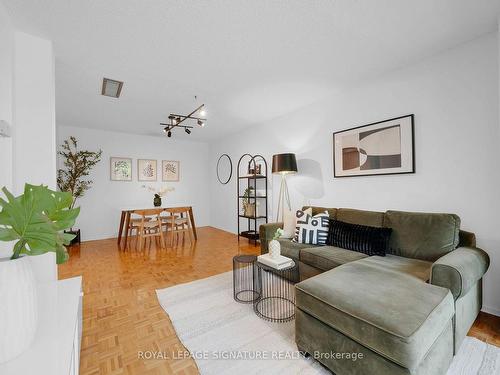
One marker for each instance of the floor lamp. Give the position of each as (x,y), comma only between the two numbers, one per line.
(284,164)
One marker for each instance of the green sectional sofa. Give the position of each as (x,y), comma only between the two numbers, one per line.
(406,313)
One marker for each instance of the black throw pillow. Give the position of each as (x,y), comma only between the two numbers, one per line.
(360,238)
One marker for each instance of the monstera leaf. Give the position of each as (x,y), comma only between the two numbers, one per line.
(36,220)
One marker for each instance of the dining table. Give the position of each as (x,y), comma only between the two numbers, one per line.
(125,220)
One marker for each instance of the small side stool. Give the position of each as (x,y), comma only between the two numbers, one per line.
(246,285)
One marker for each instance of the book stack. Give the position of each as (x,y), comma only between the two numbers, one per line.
(280,262)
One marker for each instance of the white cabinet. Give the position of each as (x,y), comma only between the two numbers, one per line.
(56,348)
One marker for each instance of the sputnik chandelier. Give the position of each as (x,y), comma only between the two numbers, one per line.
(176,121)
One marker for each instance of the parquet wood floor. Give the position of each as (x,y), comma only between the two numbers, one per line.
(122,316)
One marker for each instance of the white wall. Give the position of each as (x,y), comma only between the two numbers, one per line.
(34,149)
(6,77)
(27,103)
(102,204)
(454,97)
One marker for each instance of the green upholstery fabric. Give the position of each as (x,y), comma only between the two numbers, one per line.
(395,315)
(421,269)
(466,239)
(306,271)
(327,257)
(425,236)
(292,249)
(266,233)
(317,210)
(370,218)
(319,340)
(460,270)
(466,309)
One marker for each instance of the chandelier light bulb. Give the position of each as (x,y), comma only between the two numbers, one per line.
(203,112)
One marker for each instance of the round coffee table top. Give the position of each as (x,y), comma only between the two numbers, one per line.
(276,270)
(245,258)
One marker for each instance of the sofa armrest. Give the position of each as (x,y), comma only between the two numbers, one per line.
(459,270)
(266,233)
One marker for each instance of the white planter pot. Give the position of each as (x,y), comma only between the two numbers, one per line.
(18,307)
(274,249)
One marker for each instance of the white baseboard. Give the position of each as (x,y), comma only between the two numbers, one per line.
(491,310)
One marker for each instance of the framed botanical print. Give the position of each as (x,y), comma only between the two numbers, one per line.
(146,170)
(379,148)
(120,169)
(170,170)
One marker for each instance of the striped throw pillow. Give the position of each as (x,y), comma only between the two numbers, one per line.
(310,229)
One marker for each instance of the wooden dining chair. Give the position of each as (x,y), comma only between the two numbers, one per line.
(149,225)
(134,224)
(178,222)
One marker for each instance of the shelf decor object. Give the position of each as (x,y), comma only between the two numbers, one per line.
(384,147)
(252,207)
(284,164)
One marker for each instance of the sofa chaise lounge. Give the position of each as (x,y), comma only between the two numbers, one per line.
(406,312)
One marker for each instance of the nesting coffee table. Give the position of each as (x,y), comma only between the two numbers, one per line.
(271,291)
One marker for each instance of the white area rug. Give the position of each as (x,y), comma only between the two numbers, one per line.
(213,327)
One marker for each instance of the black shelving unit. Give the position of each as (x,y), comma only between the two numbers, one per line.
(257,181)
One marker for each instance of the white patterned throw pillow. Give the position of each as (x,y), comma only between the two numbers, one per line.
(310,229)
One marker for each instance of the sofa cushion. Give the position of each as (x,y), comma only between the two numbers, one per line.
(371,218)
(292,249)
(327,257)
(361,238)
(332,212)
(393,314)
(421,269)
(426,236)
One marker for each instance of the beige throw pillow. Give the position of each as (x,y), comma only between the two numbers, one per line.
(290,222)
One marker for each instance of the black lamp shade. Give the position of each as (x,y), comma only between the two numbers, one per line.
(284,163)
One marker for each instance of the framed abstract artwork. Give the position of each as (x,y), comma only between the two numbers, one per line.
(120,169)
(170,170)
(384,147)
(146,170)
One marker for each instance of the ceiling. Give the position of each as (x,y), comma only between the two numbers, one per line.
(248,61)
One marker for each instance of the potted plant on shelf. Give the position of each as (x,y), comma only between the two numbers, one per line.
(248,207)
(72,179)
(35,223)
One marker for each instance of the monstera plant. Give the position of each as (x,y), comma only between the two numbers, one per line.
(36,220)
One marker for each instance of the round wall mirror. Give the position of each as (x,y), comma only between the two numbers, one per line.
(224,169)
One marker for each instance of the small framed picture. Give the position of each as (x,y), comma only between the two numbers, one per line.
(170,170)
(384,147)
(120,169)
(146,170)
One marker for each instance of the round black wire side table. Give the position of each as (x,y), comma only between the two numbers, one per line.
(246,286)
(276,302)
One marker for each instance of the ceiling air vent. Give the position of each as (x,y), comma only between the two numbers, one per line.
(112,88)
